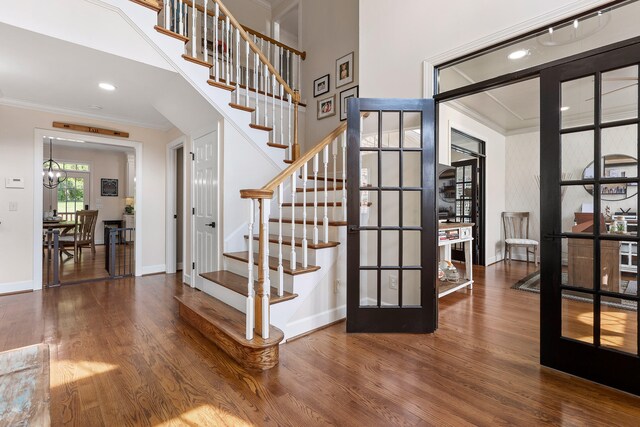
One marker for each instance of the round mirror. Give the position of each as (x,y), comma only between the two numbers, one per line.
(614,166)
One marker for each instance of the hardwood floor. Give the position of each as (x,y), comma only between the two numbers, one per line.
(120,355)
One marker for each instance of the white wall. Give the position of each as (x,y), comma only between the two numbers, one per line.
(495,172)
(255,15)
(17,148)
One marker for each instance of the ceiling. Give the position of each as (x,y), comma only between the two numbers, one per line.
(45,73)
(516,108)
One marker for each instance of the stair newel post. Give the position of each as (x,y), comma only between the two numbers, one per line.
(246,74)
(256,83)
(316,161)
(304,215)
(250,290)
(343,139)
(227,50)
(334,152)
(216,43)
(280,266)
(292,257)
(264,284)
(296,145)
(205,35)
(325,218)
(237,67)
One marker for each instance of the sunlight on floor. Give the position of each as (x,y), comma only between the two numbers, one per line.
(205,415)
(67,371)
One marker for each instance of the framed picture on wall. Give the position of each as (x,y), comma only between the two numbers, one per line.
(344,96)
(108,187)
(326,107)
(321,86)
(344,70)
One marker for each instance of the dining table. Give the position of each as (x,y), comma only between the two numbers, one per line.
(65,227)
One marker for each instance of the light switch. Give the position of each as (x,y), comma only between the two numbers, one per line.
(13,206)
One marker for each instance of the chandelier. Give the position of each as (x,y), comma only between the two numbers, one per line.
(52,173)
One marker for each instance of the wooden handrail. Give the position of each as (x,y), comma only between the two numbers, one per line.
(266,192)
(249,30)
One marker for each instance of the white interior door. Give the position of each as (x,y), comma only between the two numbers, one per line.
(205,206)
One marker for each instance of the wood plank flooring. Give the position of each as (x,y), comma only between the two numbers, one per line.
(121,356)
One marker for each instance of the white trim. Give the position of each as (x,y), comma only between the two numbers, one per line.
(170,203)
(39,135)
(315,321)
(10,287)
(186,278)
(153,269)
(18,103)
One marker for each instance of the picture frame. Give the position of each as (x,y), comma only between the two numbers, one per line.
(321,86)
(614,189)
(327,107)
(344,70)
(108,187)
(344,95)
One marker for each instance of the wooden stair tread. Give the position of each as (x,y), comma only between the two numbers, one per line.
(274,145)
(196,61)
(300,204)
(148,4)
(286,241)
(260,127)
(310,188)
(273,263)
(310,222)
(238,284)
(171,33)
(242,107)
(229,320)
(219,85)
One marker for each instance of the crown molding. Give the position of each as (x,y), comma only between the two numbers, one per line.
(18,103)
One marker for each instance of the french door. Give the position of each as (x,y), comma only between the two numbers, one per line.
(589,203)
(466,204)
(392,222)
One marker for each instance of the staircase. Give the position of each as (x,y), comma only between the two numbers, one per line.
(286,282)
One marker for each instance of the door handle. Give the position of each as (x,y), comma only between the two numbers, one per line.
(353,229)
(212,225)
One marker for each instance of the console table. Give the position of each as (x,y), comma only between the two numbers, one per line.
(449,234)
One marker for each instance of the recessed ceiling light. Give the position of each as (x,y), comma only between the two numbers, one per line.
(107,86)
(518,54)
(564,108)
(95,107)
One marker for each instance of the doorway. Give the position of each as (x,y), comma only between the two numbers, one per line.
(176,208)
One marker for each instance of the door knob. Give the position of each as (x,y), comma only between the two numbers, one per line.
(212,225)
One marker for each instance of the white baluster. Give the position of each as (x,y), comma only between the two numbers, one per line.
(343,137)
(266,288)
(205,18)
(273,107)
(167,14)
(194,38)
(227,34)
(289,123)
(325,219)
(216,41)
(257,84)
(237,56)
(246,74)
(266,99)
(250,288)
(299,59)
(288,79)
(316,160)
(304,216)
(334,152)
(280,266)
(281,114)
(292,258)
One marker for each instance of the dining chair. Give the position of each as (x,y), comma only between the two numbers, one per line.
(82,235)
(516,234)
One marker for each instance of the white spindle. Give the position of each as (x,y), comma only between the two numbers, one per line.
(289,123)
(325,218)
(299,60)
(194,35)
(304,216)
(167,15)
(334,152)
(281,114)
(343,137)
(216,42)
(266,99)
(316,160)
(237,56)
(246,74)
(288,79)
(257,84)
(280,266)
(227,34)
(250,290)
(205,18)
(266,288)
(273,106)
(292,257)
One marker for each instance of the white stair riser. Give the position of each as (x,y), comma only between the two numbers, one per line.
(240,268)
(286,231)
(299,210)
(286,252)
(331,196)
(227,296)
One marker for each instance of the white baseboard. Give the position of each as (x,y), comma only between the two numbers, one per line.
(153,269)
(186,278)
(11,287)
(315,321)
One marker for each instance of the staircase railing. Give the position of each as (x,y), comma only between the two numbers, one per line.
(236,57)
(327,163)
